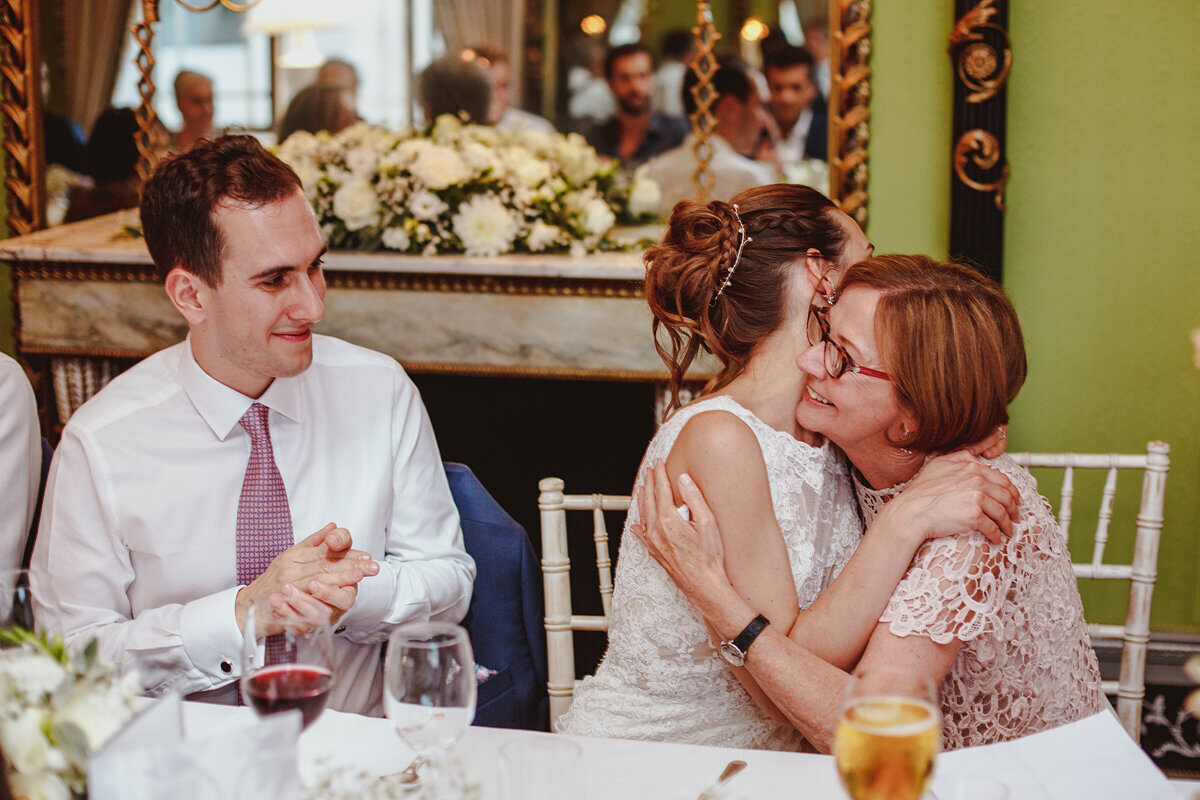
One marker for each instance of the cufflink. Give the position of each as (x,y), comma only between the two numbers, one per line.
(226,666)
(340,629)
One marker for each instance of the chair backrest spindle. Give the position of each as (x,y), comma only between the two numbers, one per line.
(561,621)
(1130,688)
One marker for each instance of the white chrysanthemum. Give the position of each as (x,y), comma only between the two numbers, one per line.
(410,150)
(537,142)
(543,235)
(438,167)
(396,238)
(362,161)
(25,744)
(596,217)
(484,134)
(356,205)
(28,675)
(645,196)
(485,226)
(480,158)
(426,205)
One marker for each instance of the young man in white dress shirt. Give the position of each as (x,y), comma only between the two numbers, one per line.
(140,532)
(20,461)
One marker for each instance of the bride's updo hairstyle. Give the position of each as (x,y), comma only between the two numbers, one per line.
(696,300)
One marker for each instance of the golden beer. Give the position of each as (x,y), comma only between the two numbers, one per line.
(885,746)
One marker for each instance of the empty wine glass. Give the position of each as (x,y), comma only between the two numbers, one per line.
(289,669)
(429,686)
(888,734)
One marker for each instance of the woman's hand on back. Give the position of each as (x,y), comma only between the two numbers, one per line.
(956,493)
(690,552)
(992,446)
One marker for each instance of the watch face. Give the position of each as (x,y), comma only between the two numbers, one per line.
(731,654)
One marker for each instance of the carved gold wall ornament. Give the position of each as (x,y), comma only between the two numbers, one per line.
(705,66)
(143,34)
(981,68)
(849,105)
(24,159)
(983,150)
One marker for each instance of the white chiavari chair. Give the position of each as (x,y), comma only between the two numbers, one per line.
(1130,688)
(561,623)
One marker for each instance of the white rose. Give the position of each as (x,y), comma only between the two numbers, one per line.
(579,161)
(644,195)
(43,786)
(396,238)
(310,176)
(88,717)
(426,205)
(356,205)
(446,126)
(480,158)
(25,744)
(438,167)
(597,218)
(410,150)
(362,161)
(543,235)
(300,144)
(485,226)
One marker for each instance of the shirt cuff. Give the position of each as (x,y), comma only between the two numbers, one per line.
(376,608)
(211,636)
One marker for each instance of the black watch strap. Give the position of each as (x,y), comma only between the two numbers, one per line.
(750,633)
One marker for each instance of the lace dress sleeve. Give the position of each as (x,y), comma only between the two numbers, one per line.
(954,589)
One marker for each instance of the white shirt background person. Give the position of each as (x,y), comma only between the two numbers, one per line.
(20,461)
(139,529)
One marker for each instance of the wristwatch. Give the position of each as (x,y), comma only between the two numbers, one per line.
(735,652)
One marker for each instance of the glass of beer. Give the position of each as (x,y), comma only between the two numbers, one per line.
(888,733)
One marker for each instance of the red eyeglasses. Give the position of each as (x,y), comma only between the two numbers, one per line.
(837,361)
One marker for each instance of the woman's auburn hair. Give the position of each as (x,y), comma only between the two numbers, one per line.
(951,342)
(685,272)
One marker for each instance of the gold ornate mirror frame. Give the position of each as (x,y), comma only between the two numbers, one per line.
(21,108)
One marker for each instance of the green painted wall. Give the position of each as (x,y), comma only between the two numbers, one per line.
(1103,117)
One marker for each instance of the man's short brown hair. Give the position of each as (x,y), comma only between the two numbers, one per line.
(179,199)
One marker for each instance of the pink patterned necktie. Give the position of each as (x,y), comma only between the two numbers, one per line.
(264,522)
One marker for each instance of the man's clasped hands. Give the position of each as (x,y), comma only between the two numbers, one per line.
(315,581)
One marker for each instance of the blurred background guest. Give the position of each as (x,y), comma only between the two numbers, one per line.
(816,41)
(194,97)
(21,457)
(740,121)
(318,108)
(636,132)
(591,100)
(340,73)
(454,85)
(677,48)
(110,159)
(799,129)
(501,112)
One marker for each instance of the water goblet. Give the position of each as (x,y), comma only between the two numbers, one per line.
(429,686)
(286,664)
(888,734)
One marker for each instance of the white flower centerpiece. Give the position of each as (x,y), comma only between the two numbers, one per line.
(463,188)
(55,710)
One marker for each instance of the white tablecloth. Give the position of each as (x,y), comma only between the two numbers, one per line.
(1091,759)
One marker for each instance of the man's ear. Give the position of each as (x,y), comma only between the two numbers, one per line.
(188,293)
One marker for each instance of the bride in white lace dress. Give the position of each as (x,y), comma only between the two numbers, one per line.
(999,626)
(785,501)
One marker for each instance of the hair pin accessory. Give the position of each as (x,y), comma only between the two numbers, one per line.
(743,240)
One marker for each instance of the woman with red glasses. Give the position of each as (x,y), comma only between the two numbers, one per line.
(736,280)
(914,358)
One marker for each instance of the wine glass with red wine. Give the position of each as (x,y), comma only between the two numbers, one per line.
(291,669)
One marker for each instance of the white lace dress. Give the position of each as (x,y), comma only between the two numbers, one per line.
(1026,663)
(662,678)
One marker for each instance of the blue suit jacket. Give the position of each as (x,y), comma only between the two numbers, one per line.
(505,618)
